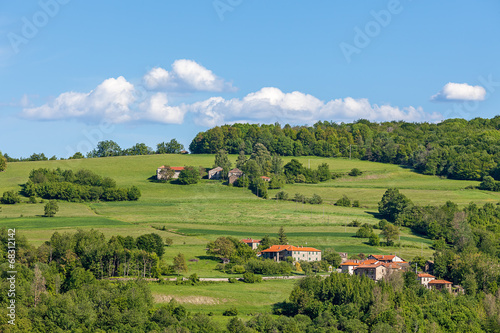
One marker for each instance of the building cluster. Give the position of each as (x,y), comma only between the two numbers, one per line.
(282,252)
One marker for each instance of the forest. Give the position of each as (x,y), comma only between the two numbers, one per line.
(454,148)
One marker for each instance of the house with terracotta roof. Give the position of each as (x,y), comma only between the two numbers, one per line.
(425,278)
(160,175)
(349,266)
(215,173)
(374,271)
(266,179)
(253,243)
(298,253)
(372,267)
(385,258)
(440,285)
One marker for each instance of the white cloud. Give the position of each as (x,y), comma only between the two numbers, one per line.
(271,104)
(460,92)
(111,100)
(156,109)
(186,75)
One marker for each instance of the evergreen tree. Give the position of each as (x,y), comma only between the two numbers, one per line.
(282,238)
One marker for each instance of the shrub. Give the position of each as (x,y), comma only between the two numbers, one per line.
(343,202)
(316,200)
(238,269)
(355,203)
(194,279)
(10,198)
(32,200)
(300,179)
(232,280)
(299,197)
(382,224)
(355,172)
(232,311)
(374,240)
(281,195)
(365,231)
(354,223)
(249,277)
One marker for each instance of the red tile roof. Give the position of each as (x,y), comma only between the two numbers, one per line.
(383,257)
(265,178)
(279,248)
(425,275)
(350,263)
(250,240)
(173,168)
(440,282)
(392,265)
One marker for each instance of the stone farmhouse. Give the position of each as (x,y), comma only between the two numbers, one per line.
(177,171)
(375,267)
(298,253)
(215,173)
(431,282)
(253,243)
(234,174)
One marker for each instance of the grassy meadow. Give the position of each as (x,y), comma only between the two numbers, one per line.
(196,214)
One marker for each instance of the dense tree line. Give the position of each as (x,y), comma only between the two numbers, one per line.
(109,148)
(455,148)
(82,185)
(3,162)
(467,240)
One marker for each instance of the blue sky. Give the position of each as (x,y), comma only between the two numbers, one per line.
(73,73)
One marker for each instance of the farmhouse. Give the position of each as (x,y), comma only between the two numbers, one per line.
(160,176)
(440,285)
(425,278)
(215,173)
(374,268)
(234,174)
(385,258)
(253,243)
(298,253)
(266,179)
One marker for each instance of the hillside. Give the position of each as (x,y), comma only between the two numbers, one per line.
(209,209)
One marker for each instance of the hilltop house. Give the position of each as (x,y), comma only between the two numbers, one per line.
(215,173)
(177,171)
(253,243)
(385,258)
(266,179)
(234,174)
(298,253)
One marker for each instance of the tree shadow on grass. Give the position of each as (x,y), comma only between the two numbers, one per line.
(213,258)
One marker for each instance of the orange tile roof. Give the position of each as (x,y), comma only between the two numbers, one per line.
(375,265)
(383,257)
(264,177)
(279,248)
(349,263)
(440,282)
(392,265)
(425,275)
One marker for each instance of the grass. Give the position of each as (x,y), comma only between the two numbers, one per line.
(215,298)
(197,214)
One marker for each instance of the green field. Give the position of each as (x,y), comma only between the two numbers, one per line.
(196,214)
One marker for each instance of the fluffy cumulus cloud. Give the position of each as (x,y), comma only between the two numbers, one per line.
(186,75)
(271,104)
(111,100)
(156,109)
(458,92)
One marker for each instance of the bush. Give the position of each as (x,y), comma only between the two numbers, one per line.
(281,195)
(343,202)
(382,224)
(232,311)
(300,179)
(299,197)
(365,231)
(238,269)
(249,277)
(32,200)
(316,200)
(10,198)
(355,172)
(190,175)
(374,240)
(194,279)
(232,280)
(355,203)
(354,223)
